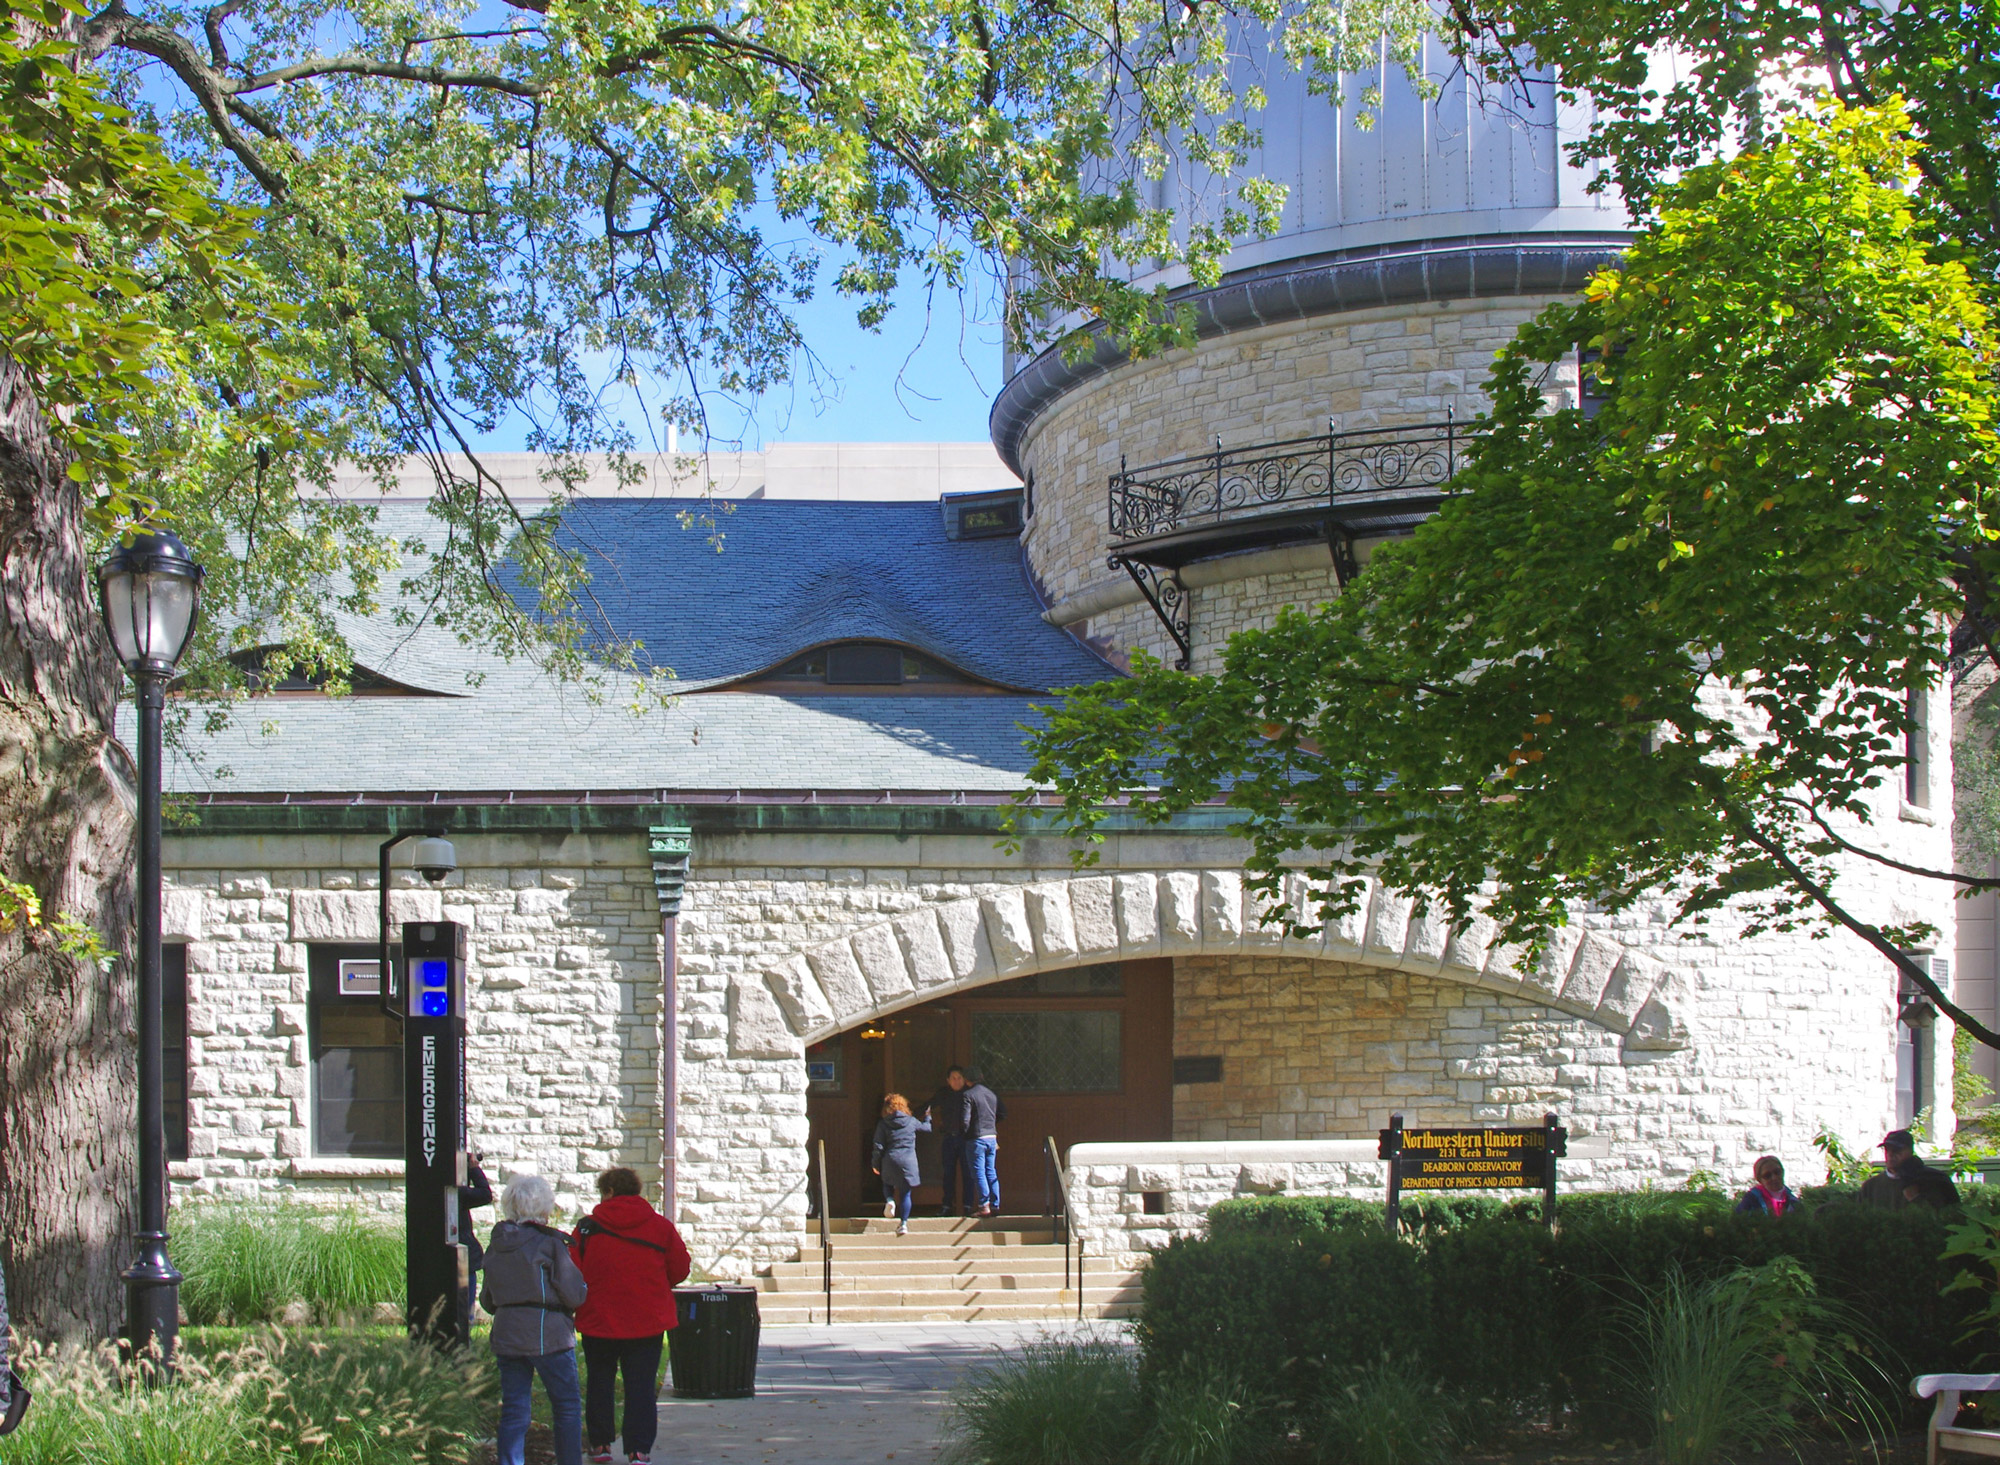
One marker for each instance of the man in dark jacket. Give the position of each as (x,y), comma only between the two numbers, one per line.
(984,1110)
(1905,1180)
(474,1195)
(946,1112)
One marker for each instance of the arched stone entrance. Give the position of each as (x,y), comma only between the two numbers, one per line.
(1015,931)
(743,1082)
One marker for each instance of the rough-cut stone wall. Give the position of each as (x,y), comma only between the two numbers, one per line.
(1386,366)
(563,990)
(1675,1048)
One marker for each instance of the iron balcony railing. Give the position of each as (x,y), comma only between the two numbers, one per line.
(1301,473)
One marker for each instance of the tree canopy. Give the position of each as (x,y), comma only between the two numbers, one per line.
(1667,645)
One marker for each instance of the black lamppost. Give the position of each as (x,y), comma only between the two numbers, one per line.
(150,593)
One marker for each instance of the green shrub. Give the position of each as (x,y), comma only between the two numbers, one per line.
(348,1397)
(1277,1311)
(1056,1403)
(1496,1308)
(1287,1215)
(1387,1414)
(246,1264)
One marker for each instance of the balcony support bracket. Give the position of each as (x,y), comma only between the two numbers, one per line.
(1168,598)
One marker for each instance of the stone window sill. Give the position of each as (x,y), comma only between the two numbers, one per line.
(1916,813)
(340,1167)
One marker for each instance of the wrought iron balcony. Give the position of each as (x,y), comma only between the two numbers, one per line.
(1340,488)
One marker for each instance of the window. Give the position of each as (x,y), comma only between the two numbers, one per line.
(869,666)
(1101,979)
(174,1046)
(1594,385)
(1917,749)
(357,1058)
(1062,1052)
(1916,1032)
(995,515)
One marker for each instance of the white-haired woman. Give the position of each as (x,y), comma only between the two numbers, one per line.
(533,1290)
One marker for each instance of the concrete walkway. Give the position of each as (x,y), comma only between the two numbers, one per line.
(847,1394)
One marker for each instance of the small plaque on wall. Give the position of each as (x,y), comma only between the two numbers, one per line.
(360,978)
(1198,1070)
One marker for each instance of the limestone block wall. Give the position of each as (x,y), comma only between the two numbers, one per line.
(1128,1199)
(1677,1048)
(564,996)
(1389,365)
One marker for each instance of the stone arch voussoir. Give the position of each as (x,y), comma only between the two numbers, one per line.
(1018,930)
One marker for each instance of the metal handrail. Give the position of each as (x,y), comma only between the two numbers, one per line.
(1055,1180)
(1215,487)
(825,1235)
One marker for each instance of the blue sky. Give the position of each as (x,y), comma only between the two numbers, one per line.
(927,374)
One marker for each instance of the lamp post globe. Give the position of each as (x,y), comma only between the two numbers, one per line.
(150,594)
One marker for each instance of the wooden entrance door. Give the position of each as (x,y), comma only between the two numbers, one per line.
(1080,1055)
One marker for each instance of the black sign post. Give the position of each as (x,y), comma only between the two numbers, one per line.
(1474,1159)
(434,1160)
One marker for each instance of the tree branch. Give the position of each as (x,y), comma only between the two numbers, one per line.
(1970,882)
(115,26)
(1823,898)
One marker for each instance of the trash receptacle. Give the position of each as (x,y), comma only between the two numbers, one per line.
(713,1351)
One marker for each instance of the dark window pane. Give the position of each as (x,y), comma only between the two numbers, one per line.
(358,1103)
(1104,979)
(1048,1052)
(174,1046)
(864,665)
(357,1063)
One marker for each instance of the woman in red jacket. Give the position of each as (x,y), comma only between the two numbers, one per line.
(633,1259)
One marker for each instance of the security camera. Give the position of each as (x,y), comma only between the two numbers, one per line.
(434,859)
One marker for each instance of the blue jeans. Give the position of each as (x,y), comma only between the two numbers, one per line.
(983,1160)
(517,1399)
(957,1164)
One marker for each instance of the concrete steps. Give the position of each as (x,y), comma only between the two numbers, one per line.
(947,1269)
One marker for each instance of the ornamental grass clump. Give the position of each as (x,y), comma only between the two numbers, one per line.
(247,1264)
(1388,1413)
(1058,1402)
(1753,1360)
(1204,1416)
(344,1397)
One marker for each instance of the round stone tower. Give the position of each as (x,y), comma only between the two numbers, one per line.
(1175,500)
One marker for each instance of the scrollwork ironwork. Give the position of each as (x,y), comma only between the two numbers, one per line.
(1168,598)
(1224,485)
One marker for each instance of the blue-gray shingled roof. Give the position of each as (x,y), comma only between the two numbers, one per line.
(792,575)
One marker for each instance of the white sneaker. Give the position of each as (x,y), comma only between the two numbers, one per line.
(888,1209)
(902,1228)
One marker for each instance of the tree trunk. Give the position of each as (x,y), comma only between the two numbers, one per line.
(68,1071)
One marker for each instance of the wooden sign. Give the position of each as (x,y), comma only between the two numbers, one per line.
(1473,1159)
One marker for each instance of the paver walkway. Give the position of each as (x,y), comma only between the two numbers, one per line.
(846,1394)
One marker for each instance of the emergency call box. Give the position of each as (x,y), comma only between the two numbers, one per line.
(436,971)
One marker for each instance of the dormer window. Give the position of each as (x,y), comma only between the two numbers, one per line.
(865,668)
(261,669)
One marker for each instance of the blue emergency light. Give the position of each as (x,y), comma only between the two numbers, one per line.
(433,991)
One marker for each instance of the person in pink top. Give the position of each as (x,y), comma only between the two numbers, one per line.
(634,1259)
(1770,1196)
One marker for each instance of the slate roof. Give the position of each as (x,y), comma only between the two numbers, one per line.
(791,575)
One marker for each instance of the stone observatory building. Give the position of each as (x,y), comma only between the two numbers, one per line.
(707,939)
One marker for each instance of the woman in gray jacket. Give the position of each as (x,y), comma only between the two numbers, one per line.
(533,1290)
(896,1156)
